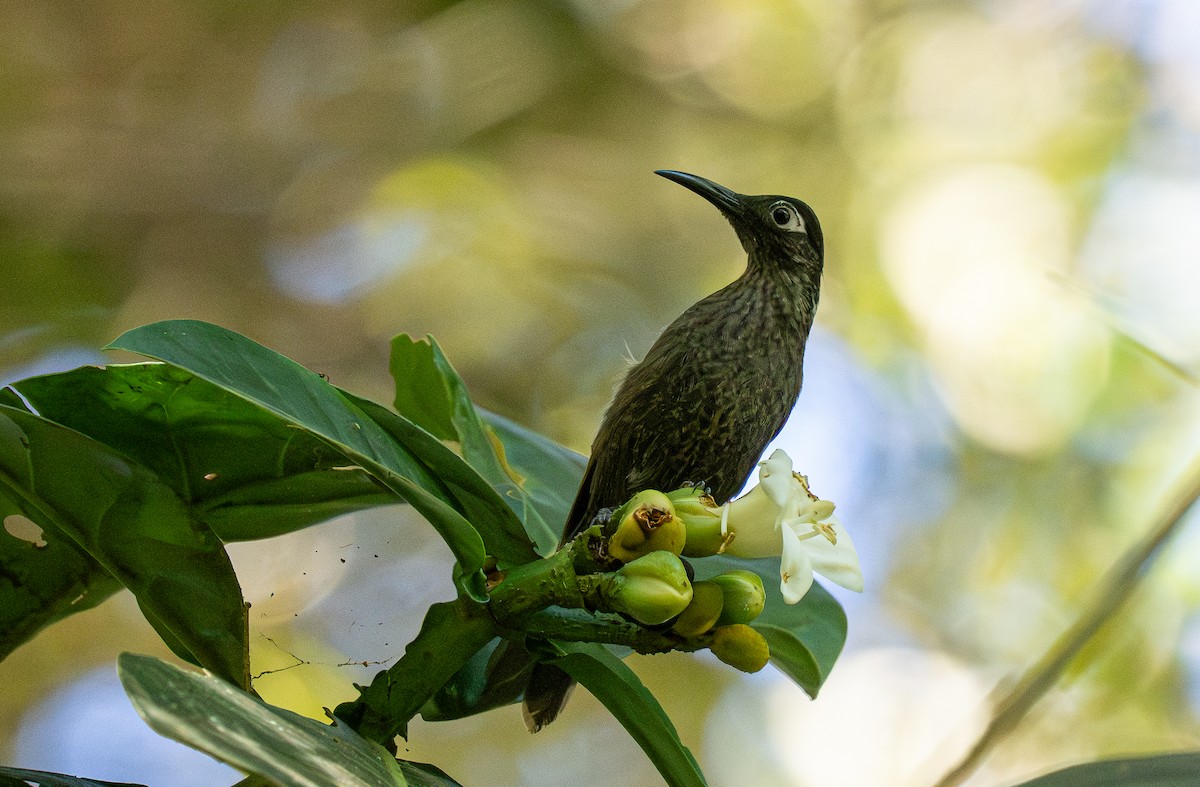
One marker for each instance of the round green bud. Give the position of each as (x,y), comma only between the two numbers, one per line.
(645,524)
(702,521)
(651,589)
(741,647)
(742,594)
(702,614)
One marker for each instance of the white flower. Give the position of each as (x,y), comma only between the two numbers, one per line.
(782,517)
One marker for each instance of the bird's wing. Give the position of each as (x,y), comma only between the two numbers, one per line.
(577,518)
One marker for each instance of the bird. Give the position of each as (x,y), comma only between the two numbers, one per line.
(715,387)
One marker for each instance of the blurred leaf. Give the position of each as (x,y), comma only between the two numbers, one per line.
(1164,770)
(430,392)
(450,635)
(301,397)
(23,777)
(137,528)
(551,474)
(245,732)
(249,472)
(620,690)
(805,638)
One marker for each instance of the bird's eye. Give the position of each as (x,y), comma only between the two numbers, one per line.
(786,217)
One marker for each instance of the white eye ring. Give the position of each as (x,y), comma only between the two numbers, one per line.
(785,217)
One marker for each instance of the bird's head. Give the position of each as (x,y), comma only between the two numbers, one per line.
(774,230)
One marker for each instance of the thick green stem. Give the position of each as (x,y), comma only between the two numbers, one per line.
(544,598)
(535,586)
(571,626)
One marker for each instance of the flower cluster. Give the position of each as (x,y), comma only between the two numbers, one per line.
(780,517)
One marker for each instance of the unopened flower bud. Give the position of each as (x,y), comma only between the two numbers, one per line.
(702,613)
(741,647)
(743,596)
(645,524)
(702,520)
(651,590)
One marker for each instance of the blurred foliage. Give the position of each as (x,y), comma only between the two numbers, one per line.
(322,177)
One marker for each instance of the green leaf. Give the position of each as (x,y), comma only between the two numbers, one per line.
(245,732)
(248,472)
(302,398)
(502,533)
(44,576)
(549,475)
(792,657)
(450,635)
(805,638)
(23,776)
(423,394)
(430,393)
(1163,770)
(620,690)
(494,677)
(137,528)
(420,774)
(426,381)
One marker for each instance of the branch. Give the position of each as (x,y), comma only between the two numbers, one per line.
(1113,591)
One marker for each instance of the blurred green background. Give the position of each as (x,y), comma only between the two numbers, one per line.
(1000,391)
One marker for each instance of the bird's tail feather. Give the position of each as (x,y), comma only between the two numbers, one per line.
(546,695)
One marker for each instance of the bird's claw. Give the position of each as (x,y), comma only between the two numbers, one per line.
(602,516)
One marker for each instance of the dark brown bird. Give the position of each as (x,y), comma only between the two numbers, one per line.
(716,386)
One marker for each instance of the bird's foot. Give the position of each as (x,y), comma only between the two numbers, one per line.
(602,516)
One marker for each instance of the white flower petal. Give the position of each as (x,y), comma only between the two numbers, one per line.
(752,520)
(776,479)
(795,568)
(837,562)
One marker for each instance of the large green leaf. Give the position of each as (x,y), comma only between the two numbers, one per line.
(304,399)
(549,475)
(23,777)
(499,527)
(421,774)
(247,471)
(1163,770)
(430,393)
(136,527)
(44,576)
(805,638)
(245,732)
(620,690)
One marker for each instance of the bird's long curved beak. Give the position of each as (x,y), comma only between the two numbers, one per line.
(728,202)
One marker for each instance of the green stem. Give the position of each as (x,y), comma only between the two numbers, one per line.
(1114,590)
(535,586)
(570,626)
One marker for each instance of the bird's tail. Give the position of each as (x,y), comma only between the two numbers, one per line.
(546,695)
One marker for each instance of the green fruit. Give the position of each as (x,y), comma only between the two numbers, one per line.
(743,596)
(741,647)
(700,615)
